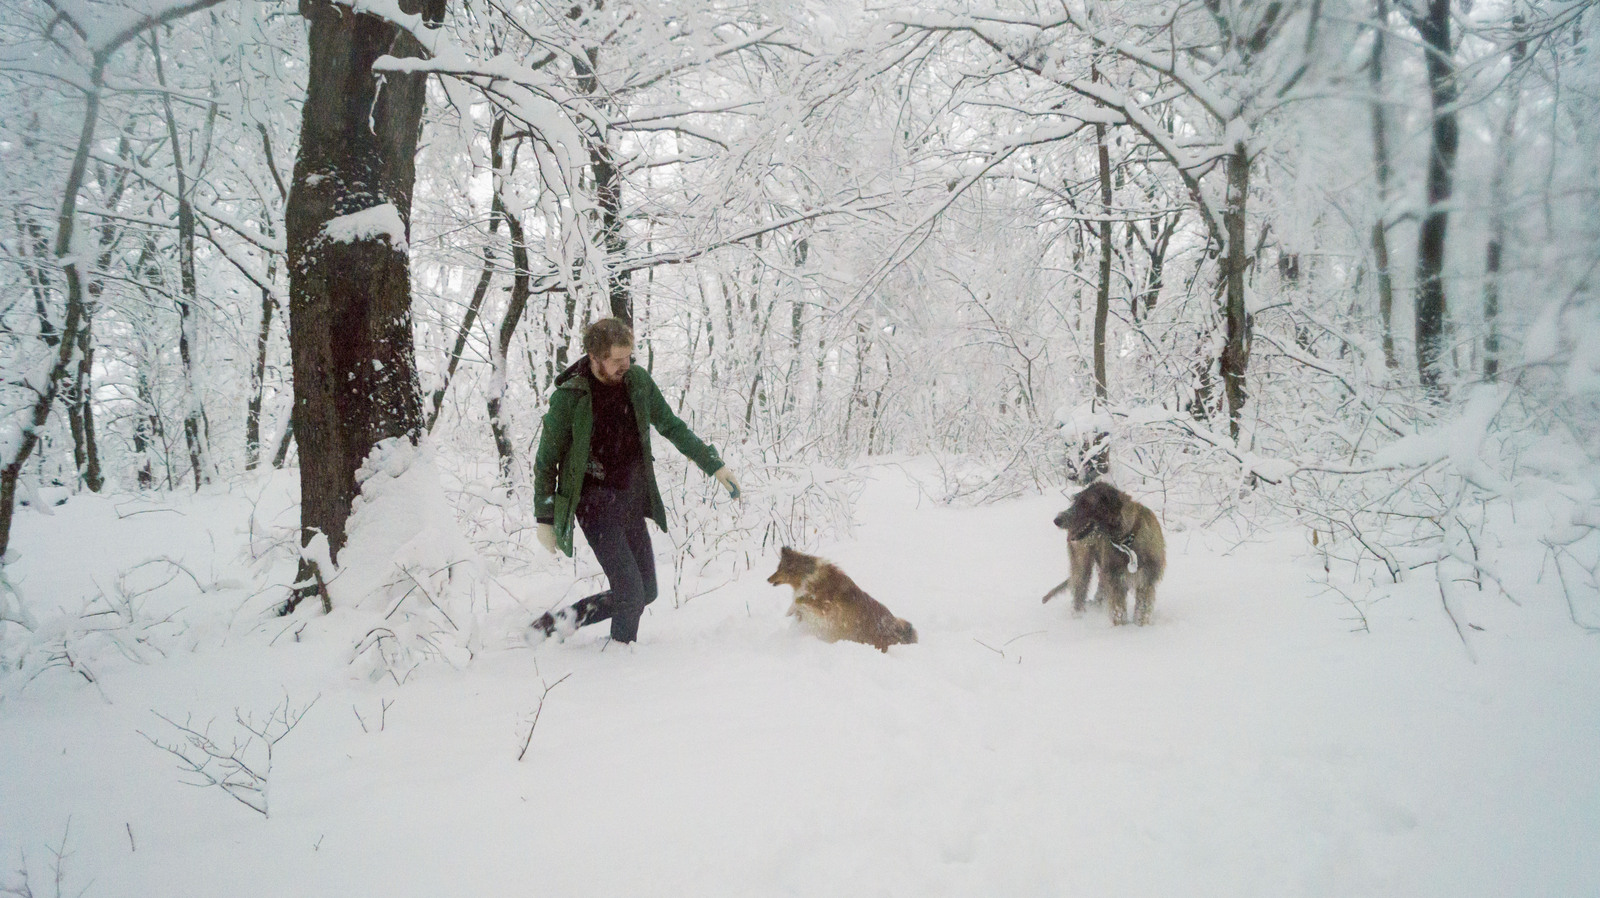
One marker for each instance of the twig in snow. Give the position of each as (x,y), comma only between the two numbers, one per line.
(1572,610)
(428,596)
(536,712)
(1444,600)
(227,767)
(383,715)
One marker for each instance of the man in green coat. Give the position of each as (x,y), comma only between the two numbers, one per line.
(595,466)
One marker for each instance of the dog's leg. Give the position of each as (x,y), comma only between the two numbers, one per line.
(1144,599)
(1081,554)
(1114,586)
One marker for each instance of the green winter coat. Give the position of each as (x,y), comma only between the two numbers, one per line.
(563,456)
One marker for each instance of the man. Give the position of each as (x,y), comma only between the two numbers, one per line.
(595,465)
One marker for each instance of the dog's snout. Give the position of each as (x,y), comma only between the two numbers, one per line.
(1061,520)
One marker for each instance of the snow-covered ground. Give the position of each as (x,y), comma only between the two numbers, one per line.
(1248,743)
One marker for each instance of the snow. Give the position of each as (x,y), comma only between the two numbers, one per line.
(1251,741)
(1460,440)
(380,221)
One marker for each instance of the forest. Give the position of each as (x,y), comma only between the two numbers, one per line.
(1325,262)
(285,288)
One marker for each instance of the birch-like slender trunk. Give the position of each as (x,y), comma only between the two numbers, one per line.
(188,285)
(481,290)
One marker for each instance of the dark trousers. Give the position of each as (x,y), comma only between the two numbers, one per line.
(613,523)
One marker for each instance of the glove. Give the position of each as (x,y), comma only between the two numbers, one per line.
(726,478)
(547,537)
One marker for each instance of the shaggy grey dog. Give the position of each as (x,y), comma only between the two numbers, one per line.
(1107,529)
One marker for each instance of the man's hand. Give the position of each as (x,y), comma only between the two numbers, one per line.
(547,537)
(726,478)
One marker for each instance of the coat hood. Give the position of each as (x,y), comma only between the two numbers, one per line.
(573,370)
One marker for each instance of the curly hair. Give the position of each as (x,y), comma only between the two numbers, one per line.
(599,337)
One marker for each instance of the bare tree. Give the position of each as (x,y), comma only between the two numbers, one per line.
(194,429)
(99,49)
(1244,72)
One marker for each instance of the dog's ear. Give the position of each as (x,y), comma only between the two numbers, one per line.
(786,553)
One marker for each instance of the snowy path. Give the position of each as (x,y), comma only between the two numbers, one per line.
(1245,744)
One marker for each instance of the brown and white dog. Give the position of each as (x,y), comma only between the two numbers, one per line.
(833,607)
(1107,529)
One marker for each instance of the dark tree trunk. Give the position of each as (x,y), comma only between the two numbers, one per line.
(80,405)
(146,428)
(355,378)
(1236,350)
(269,303)
(285,440)
(1381,166)
(1432,307)
(1498,200)
(521,289)
(607,187)
(1155,247)
(87,449)
(1100,462)
(258,375)
(608,196)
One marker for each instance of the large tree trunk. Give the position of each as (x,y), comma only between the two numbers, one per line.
(1432,308)
(355,378)
(1382,168)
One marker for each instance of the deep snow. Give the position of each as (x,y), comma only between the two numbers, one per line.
(1251,741)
